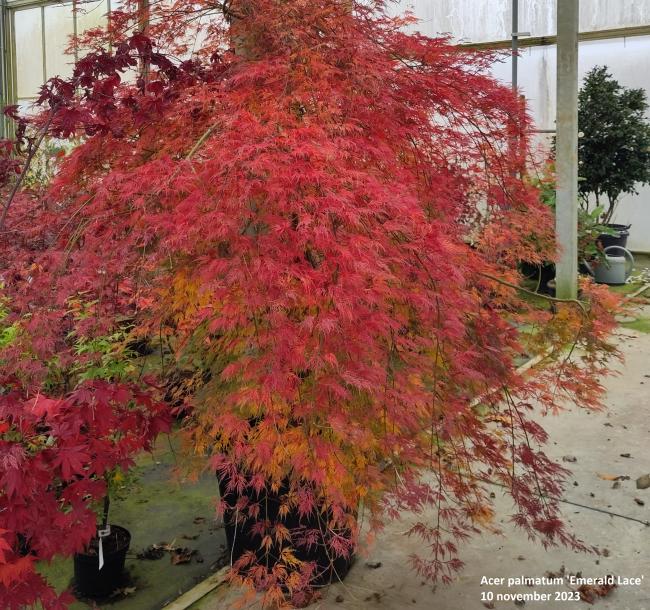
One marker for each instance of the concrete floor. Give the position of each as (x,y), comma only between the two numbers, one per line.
(597,441)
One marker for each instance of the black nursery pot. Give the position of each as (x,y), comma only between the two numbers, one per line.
(542,274)
(92,582)
(621,233)
(240,538)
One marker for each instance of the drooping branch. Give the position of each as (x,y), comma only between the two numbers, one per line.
(583,306)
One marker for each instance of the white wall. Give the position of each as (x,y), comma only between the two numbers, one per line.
(488,20)
(628,61)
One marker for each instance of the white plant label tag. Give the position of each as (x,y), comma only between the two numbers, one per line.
(101,534)
(101,555)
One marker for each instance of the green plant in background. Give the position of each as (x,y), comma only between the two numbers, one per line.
(8,332)
(590,223)
(614,150)
(45,163)
(590,227)
(108,357)
(111,358)
(120,481)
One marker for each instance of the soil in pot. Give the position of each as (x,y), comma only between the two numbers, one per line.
(619,238)
(94,583)
(241,539)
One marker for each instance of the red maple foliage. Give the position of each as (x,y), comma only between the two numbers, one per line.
(54,455)
(324,214)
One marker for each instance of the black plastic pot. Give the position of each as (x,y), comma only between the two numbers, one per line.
(619,238)
(92,582)
(240,538)
(541,274)
(24,546)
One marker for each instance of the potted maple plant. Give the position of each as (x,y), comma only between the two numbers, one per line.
(99,569)
(310,531)
(71,447)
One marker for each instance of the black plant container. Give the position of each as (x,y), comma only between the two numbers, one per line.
(619,238)
(94,583)
(542,274)
(240,538)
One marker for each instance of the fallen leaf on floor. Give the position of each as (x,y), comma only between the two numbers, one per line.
(626,455)
(605,553)
(183,555)
(643,482)
(373,565)
(188,537)
(639,502)
(152,552)
(569,458)
(590,593)
(489,605)
(198,520)
(616,485)
(612,477)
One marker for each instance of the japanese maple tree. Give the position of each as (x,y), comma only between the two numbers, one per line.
(323,214)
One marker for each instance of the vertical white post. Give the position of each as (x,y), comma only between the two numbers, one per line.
(515,43)
(566,219)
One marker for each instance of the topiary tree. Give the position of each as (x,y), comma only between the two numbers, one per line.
(292,207)
(614,150)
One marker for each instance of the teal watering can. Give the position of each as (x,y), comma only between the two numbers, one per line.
(614,269)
